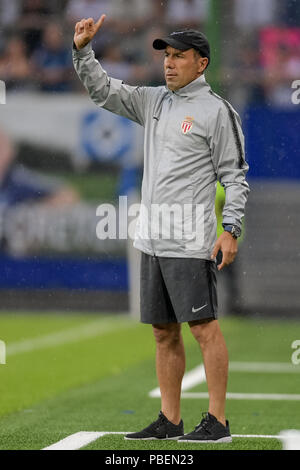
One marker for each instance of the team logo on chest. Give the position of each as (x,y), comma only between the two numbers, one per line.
(186,125)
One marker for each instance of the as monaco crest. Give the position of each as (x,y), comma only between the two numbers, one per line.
(186,125)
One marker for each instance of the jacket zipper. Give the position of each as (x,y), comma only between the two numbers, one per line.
(155,172)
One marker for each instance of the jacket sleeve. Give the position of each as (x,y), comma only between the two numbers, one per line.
(226,141)
(109,93)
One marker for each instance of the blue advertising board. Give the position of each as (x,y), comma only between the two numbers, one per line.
(272,142)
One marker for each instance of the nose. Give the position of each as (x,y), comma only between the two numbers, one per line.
(169,64)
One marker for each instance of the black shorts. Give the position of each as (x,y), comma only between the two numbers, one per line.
(176,290)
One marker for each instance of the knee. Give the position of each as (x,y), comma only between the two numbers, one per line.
(204,333)
(167,335)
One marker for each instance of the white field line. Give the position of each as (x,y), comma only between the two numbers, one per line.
(197,376)
(2,352)
(79,440)
(88,330)
(256,436)
(75,441)
(194,377)
(247,396)
(269,367)
(83,438)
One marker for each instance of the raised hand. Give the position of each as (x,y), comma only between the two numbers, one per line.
(85,30)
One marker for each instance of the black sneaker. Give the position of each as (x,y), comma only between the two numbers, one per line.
(210,430)
(162,428)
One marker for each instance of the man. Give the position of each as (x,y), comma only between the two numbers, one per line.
(192,138)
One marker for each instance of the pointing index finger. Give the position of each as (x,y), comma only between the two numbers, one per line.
(100,22)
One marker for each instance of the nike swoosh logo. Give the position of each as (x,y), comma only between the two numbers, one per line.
(194,310)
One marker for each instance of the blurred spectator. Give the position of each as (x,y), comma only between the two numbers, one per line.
(133,14)
(247,74)
(15,68)
(34,17)
(152,71)
(254,13)
(53,61)
(128,18)
(159,11)
(78,9)
(124,12)
(9,16)
(125,44)
(186,13)
(115,65)
(19,185)
(9,12)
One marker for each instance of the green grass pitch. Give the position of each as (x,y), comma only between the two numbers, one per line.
(70,373)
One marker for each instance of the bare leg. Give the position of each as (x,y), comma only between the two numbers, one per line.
(215,358)
(170,366)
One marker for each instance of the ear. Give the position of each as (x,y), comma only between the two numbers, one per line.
(203,63)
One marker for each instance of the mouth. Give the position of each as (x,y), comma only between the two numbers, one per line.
(171,75)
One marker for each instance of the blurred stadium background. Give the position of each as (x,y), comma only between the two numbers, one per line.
(68,156)
(61,156)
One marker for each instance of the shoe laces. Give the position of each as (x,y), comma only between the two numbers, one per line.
(204,424)
(160,420)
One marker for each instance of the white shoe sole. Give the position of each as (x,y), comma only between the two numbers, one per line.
(218,441)
(152,438)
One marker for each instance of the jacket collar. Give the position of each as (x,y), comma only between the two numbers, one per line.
(191,88)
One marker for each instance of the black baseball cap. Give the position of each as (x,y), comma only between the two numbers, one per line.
(184,40)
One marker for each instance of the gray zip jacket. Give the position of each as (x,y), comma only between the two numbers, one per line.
(192,139)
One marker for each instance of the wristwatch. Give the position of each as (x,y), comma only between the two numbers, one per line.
(234,230)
